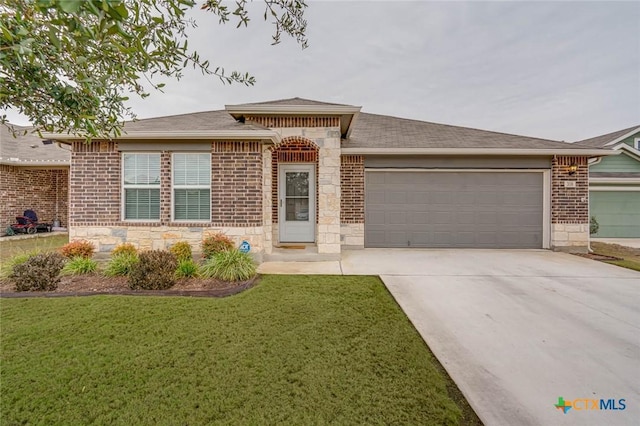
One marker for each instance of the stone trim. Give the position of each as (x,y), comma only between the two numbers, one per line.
(302,121)
(352,189)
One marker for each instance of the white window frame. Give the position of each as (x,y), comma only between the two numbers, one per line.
(636,144)
(124,187)
(174,187)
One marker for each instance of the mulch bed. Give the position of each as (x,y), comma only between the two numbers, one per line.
(600,257)
(91,285)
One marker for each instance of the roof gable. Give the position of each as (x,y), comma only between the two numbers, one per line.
(610,138)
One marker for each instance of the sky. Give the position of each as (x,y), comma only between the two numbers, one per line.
(557,70)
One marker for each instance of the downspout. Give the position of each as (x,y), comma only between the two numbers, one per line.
(590,162)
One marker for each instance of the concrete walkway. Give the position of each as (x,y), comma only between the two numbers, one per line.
(518,329)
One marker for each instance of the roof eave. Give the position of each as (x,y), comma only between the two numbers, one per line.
(479,151)
(261,135)
(347,113)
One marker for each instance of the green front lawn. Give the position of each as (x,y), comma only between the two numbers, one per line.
(10,247)
(630,256)
(293,350)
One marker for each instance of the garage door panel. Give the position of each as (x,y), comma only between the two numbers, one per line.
(454,209)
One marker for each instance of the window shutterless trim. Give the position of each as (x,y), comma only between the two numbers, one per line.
(124,186)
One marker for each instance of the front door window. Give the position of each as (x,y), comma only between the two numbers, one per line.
(297,202)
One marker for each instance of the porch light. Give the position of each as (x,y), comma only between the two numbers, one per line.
(572,169)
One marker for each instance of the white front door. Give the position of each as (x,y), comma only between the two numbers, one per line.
(296,203)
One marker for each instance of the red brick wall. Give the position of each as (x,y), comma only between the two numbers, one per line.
(352,189)
(569,205)
(24,188)
(94,190)
(291,150)
(236,184)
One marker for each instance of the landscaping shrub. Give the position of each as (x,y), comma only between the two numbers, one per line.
(216,243)
(121,264)
(80,266)
(594,226)
(182,251)
(155,271)
(125,248)
(7,268)
(231,265)
(39,273)
(187,268)
(78,248)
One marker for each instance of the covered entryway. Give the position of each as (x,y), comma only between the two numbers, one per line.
(455,208)
(296,194)
(617,212)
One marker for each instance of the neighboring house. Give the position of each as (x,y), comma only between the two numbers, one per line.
(33,175)
(297,172)
(614,184)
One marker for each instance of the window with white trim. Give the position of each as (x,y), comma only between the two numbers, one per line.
(191,187)
(636,143)
(141,186)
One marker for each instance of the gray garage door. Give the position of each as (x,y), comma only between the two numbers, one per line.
(453,209)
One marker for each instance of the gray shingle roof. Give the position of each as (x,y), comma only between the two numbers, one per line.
(293,102)
(602,140)
(381,131)
(208,120)
(28,150)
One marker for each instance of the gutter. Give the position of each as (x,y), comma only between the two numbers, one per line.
(479,151)
(262,135)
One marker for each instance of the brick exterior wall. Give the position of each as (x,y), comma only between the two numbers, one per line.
(94,187)
(236,184)
(292,150)
(352,189)
(569,205)
(25,188)
(300,121)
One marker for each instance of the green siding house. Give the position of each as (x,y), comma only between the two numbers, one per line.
(614,184)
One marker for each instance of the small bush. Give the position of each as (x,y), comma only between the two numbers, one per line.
(187,268)
(39,273)
(125,248)
(78,248)
(594,226)
(232,265)
(216,243)
(7,268)
(121,264)
(182,251)
(155,271)
(80,266)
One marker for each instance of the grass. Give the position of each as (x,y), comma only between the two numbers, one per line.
(13,247)
(293,350)
(630,256)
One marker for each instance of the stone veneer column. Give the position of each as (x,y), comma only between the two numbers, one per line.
(329,194)
(570,204)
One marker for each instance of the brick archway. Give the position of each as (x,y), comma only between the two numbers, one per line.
(293,149)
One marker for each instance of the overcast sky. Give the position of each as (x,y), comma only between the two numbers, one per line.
(556,70)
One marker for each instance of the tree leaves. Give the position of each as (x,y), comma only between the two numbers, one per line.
(67,64)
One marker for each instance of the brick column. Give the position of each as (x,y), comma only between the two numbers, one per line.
(352,201)
(570,204)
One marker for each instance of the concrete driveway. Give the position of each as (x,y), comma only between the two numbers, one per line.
(518,329)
